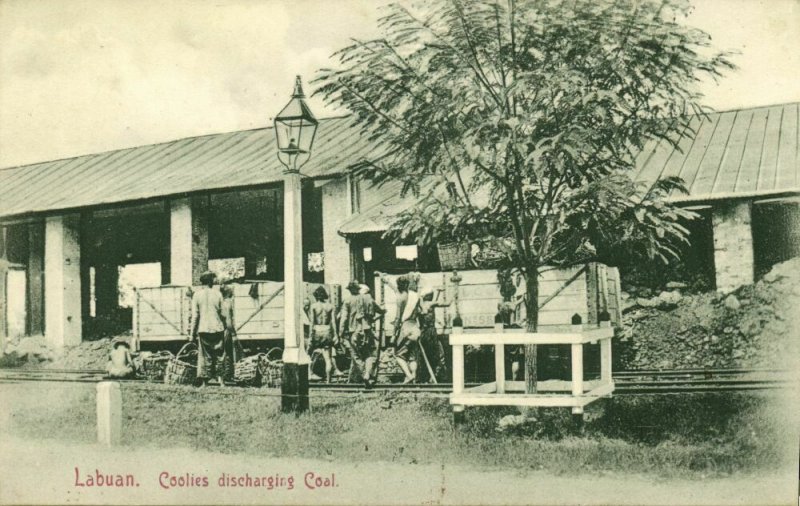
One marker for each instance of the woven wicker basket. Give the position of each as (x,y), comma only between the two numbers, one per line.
(271,367)
(180,369)
(247,372)
(454,255)
(272,373)
(154,366)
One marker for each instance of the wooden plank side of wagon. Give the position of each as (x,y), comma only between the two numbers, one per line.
(161,313)
(479,294)
(259,306)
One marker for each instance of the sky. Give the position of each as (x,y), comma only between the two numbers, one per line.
(86,76)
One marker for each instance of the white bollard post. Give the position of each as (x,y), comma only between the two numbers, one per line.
(109,413)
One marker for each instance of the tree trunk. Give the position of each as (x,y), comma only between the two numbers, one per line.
(532,311)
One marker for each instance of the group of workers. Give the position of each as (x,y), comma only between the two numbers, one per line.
(213,330)
(353,332)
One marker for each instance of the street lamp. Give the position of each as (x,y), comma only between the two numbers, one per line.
(295,127)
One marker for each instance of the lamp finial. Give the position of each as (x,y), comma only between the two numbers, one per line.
(298,88)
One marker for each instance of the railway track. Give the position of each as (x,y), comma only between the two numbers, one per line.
(673,381)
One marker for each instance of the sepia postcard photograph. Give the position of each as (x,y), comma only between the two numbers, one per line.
(400,252)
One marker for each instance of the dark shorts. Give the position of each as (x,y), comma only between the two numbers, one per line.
(321,336)
(364,343)
(211,348)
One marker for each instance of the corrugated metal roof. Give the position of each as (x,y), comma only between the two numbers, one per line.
(741,153)
(736,153)
(208,162)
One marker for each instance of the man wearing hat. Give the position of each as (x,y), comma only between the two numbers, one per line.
(120,363)
(208,327)
(355,322)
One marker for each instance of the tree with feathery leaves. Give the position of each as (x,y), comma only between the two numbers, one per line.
(517,123)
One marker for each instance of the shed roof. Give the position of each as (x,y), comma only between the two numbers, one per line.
(208,162)
(735,153)
(739,153)
(742,152)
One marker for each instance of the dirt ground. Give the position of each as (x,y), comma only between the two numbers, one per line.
(680,436)
(45,473)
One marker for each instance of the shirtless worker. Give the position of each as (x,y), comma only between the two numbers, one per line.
(324,335)
(406,326)
(120,363)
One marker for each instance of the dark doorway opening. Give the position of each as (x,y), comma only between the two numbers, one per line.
(776,234)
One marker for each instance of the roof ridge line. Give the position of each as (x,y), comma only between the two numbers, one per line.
(161,143)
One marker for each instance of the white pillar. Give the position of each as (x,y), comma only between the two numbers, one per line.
(180,242)
(188,240)
(62,296)
(733,245)
(293,346)
(294,386)
(109,413)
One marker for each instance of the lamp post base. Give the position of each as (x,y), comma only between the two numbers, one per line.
(294,388)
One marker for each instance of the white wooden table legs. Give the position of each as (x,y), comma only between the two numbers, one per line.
(577,375)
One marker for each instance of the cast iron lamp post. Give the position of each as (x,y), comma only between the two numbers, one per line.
(295,127)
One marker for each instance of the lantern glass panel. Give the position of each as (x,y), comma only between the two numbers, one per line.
(295,134)
(283,133)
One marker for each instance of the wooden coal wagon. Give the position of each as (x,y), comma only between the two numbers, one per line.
(164,313)
(587,290)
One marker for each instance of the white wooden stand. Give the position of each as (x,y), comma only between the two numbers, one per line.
(574,394)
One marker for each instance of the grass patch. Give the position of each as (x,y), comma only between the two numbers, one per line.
(668,436)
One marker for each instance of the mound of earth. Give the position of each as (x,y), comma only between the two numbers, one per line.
(754,326)
(34,352)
